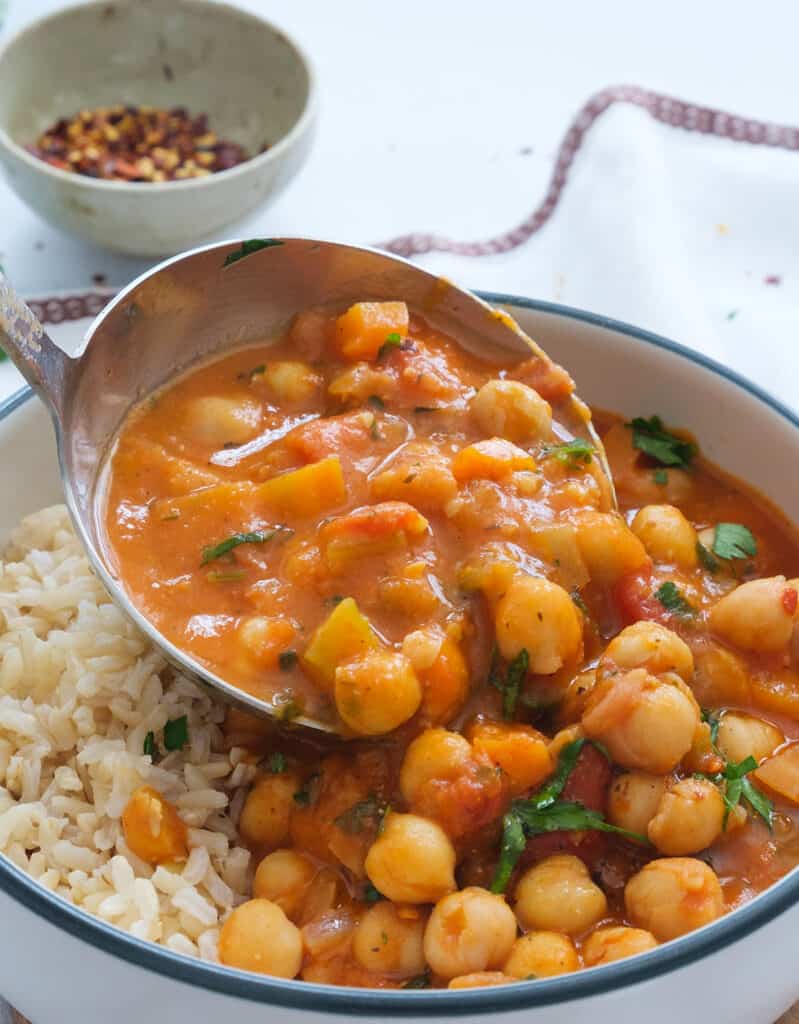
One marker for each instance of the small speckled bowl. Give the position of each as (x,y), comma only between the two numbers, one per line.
(254,83)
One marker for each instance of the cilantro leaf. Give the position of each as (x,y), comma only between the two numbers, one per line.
(671,598)
(572,453)
(758,801)
(248,248)
(277,763)
(566,762)
(393,340)
(569,815)
(652,438)
(706,558)
(222,548)
(372,895)
(148,747)
(733,540)
(517,670)
(661,477)
(357,817)
(418,981)
(308,794)
(511,848)
(176,733)
(714,723)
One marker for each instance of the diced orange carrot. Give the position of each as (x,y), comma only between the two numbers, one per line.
(343,635)
(494,459)
(445,684)
(329,436)
(781,772)
(519,750)
(365,327)
(380,520)
(153,828)
(307,491)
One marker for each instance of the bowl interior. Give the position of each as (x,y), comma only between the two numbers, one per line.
(208,57)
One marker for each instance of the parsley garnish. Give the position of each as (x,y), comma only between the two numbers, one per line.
(510,686)
(392,341)
(705,556)
(306,796)
(661,477)
(277,763)
(418,981)
(248,248)
(574,453)
(148,746)
(671,598)
(222,548)
(651,438)
(356,818)
(733,540)
(733,780)
(544,812)
(372,895)
(711,720)
(287,660)
(176,733)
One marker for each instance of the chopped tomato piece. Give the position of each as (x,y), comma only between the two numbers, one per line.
(789,599)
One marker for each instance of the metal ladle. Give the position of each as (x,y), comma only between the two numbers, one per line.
(207,302)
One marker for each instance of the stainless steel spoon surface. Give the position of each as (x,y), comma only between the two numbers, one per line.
(202,304)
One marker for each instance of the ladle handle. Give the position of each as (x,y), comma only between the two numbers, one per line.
(40,361)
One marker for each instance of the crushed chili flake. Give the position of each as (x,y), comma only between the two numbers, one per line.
(137,143)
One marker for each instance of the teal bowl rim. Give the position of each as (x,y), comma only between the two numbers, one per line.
(356,1002)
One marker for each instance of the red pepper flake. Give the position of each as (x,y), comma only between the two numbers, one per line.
(775,279)
(789,600)
(137,143)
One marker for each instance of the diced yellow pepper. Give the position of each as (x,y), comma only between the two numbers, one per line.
(363,330)
(494,459)
(343,635)
(307,491)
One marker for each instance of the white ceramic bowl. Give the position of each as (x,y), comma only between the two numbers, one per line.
(59,966)
(252,80)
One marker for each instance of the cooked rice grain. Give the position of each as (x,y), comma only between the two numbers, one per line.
(80,689)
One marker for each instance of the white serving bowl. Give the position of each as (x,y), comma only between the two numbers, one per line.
(60,966)
(254,83)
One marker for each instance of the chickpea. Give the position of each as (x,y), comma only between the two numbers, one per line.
(264,638)
(412,861)
(542,955)
(608,546)
(471,930)
(292,381)
(558,895)
(266,815)
(283,877)
(741,736)
(633,800)
(214,420)
(434,754)
(720,677)
(690,816)
(672,896)
(377,692)
(754,616)
(153,828)
(651,646)
(506,408)
(540,617)
(645,721)
(667,535)
(481,979)
(259,937)
(386,943)
(615,943)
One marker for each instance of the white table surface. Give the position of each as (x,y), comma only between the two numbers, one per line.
(464,105)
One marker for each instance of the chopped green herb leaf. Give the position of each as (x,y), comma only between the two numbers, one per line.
(149,744)
(566,761)
(392,341)
(651,438)
(511,848)
(357,817)
(3,355)
(372,895)
(713,721)
(661,477)
(418,981)
(671,598)
(287,660)
(248,248)
(217,550)
(225,575)
(733,540)
(574,453)
(307,796)
(706,558)
(376,402)
(758,801)
(277,763)
(176,733)
(514,678)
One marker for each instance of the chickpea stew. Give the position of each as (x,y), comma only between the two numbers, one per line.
(574,731)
